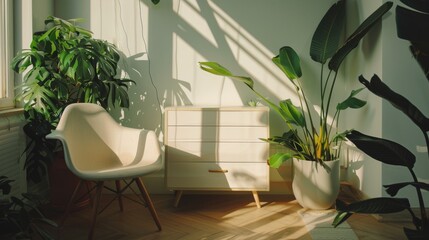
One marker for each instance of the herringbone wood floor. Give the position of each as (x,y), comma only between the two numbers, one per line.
(212,216)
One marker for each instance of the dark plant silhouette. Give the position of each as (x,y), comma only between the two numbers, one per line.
(412,26)
(20,218)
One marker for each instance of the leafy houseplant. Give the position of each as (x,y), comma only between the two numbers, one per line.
(411,25)
(20,218)
(307,138)
(317,141)
(64,65)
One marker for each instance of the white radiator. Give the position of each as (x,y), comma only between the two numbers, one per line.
(12,144)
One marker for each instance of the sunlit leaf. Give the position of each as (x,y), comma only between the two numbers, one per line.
(277,159)
(292,113)
(290,62)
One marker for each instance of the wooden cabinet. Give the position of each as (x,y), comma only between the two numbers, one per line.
(217,148)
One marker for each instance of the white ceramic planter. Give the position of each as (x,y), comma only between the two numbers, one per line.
(313,187)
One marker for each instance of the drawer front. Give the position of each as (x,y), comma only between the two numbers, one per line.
(220,133)
(217,151)
(222,176)
(246,116)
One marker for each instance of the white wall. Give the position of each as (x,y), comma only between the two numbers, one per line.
(162,45)
(179,34)
(402,73)
(366,60)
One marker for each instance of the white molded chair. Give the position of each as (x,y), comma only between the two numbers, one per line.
(97,148)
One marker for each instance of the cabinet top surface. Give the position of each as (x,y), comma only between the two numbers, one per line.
(216,108)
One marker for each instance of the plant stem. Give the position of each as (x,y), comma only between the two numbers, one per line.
(309,116)
(330,92)
(421,203)
(328,104)
(335,119)
(324,88)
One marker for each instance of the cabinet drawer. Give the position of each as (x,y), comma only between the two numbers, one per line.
(217,151)
(220,133)
(221,176)
(244,116)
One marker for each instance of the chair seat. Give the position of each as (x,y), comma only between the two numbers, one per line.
(119,172)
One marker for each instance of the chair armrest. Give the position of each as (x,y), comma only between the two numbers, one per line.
(55,134)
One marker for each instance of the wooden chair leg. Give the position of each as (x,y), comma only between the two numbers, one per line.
(119,193)
(179,194)
(99,188)
(256,197)
(148,201)
(88,190)
(70,203)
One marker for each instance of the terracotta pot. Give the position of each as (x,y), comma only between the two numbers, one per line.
(62,183)
(313,186)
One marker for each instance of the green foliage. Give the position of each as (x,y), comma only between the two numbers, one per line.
(64,65)
(20,218)
(308,139)
(409,26)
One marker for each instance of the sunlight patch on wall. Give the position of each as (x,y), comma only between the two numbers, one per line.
(190,12)
(253,56)
(205,89)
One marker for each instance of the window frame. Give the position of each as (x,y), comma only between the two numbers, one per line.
(6,48)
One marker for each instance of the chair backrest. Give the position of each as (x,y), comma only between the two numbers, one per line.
(90,135)
(93,140)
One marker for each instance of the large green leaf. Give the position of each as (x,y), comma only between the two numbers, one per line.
(289,62)
(291,141)
(382,150)
(380,205)
(25,59)
(351,101)
(354,39)
(326,38)
(216,68)
(277,159)
(379,88)
(81,65)
(291,113)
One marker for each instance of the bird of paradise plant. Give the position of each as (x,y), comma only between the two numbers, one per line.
(308,139)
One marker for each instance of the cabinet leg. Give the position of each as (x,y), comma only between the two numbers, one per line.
(178,197)
(256,197)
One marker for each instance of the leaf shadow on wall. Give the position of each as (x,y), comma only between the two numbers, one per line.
(145,99)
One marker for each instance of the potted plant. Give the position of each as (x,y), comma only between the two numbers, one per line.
(20,218)
(64,65)
(316,140)
(412,26)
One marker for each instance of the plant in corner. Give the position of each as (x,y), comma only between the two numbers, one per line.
(309,138)
(412,26)
(20,218)
(64,65)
